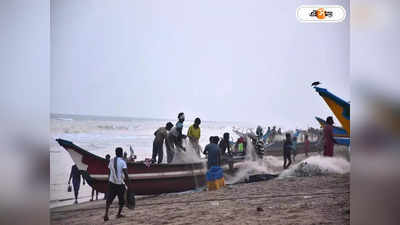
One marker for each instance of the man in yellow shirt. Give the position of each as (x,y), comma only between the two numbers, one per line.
(194,135)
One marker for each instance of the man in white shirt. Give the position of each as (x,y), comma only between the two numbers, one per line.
(116,187)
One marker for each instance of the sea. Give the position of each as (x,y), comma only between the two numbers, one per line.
(100,135)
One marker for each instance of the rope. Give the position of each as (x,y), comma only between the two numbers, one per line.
(219,199)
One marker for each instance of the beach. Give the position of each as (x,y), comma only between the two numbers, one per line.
(321,199)
(319,196)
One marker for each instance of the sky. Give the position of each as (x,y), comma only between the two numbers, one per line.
(217,60)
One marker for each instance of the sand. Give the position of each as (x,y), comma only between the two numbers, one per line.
(321,199)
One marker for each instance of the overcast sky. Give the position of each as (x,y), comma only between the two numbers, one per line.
(219,60)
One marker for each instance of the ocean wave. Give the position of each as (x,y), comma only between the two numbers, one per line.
(64,119)
(112,127)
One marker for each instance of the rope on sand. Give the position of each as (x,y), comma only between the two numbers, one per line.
(217,199)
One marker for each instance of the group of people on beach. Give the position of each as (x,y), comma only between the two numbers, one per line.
(289,144)
(173,137)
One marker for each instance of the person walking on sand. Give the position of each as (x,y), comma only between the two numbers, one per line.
(194,135)
(116,186)
(306,145)
(174,138)
(158,143)
(75,175)
(214,153)
(287,148)
(328,137)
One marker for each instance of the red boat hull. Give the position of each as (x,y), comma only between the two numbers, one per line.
(156,179)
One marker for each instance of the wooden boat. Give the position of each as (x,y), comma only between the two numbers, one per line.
(339,134)
(338,106)
(155,179)
(337,131)
(341,109)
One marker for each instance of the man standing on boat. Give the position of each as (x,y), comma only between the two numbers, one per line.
(328,140)
(194,135)
(225,146)
(174,138)
(75,175)
(160,135)
(116,186)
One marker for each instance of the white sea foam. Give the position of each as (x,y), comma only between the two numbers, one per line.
(253,165)
(317,165)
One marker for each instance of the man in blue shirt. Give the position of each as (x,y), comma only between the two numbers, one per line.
(214,153)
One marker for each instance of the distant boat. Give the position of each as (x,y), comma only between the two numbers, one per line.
(156,179)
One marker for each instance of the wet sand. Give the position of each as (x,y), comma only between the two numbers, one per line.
(298,200)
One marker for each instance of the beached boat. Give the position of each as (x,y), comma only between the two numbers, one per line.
(338,106)
(341,109)
(144,180)
(337,131)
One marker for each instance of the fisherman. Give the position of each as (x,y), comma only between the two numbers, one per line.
(273,134)
(269,130)
(328,139)
(214,154)
(268,135)
(205,152)
(294,147)
(194,135)
(259,132)
(160,135)
(174,138)
(108,157)
(306,145)
(132,157)
(224,145)
(240,146)
(125,157)
(75,175)
(116,186)
(287,148)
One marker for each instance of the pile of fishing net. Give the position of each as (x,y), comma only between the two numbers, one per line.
(305,169)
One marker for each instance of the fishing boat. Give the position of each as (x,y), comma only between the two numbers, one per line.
(339,134)
(337,131)
(144,179)
(338,106)
(341,109)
